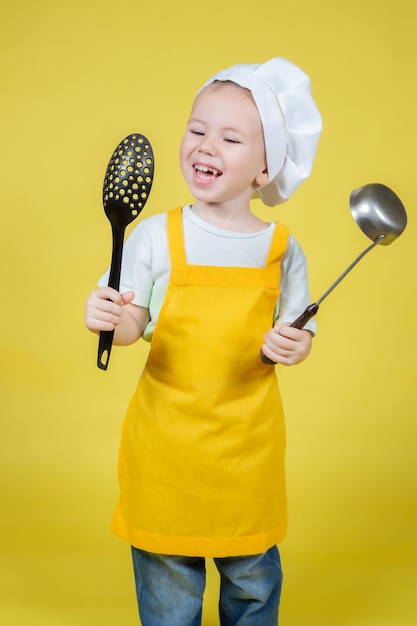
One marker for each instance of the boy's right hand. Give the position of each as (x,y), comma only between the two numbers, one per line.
(104,308)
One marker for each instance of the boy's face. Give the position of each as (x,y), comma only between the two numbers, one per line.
(222,154)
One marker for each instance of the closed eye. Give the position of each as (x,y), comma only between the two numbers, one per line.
(229,140)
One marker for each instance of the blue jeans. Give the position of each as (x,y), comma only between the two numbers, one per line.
(170,589)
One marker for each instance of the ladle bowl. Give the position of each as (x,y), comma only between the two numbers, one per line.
(377,210)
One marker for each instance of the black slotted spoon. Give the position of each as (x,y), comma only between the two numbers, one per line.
(126,188)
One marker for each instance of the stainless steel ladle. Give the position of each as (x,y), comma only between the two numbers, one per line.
(381,215)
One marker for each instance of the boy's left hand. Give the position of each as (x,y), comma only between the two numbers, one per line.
(287,345)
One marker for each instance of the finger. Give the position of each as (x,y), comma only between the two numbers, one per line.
(98,321)
(278,357)
(108,293)
(288,331)
(275,351)
(128,297)
(279,343)
(270,354)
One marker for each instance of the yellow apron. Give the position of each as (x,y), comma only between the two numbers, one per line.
(201,465)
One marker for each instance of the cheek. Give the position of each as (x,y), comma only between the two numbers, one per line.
(183,153)
(187,146)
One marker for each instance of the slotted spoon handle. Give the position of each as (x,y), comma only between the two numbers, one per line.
(105,343)
(106,336)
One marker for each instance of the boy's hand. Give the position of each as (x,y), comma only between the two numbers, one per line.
(287,345)
(104,308)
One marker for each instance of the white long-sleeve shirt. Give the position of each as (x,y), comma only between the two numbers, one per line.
(146,265)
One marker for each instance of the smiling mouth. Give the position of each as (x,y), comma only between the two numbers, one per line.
(206,173)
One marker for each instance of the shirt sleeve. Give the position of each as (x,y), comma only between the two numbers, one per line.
(294,289)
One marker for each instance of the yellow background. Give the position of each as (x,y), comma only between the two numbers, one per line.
(77,77)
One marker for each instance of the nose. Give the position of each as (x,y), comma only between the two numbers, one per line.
(207,145)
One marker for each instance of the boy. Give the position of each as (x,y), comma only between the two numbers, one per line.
(201,464)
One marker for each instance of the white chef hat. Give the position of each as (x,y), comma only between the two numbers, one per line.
(290,119)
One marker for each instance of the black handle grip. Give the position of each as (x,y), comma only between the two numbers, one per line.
(106,336)
(300,322)
(104,348)
(302,319)
(265,360)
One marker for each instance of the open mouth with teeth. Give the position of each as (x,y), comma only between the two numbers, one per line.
(206,174)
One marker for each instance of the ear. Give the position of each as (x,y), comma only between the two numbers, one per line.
(262,178)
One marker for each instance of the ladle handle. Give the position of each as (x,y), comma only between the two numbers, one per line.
(306,316)
(300,322)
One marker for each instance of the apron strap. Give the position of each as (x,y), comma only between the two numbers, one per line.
(278,244)
(176,244)
(276,252)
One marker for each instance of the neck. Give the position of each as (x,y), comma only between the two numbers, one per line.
(229,217)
